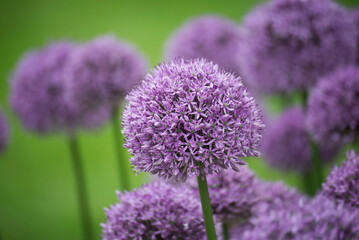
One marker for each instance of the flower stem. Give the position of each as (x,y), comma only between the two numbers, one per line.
(118,139)
(225,231)
(317,167)
(84,207)
(308,184)
(206,208)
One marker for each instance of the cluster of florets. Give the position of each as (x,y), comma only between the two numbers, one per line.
(286,143)
(342,183)
(39,92)
(283,44)
(233,194)
(333,109)
(190,118)
(155,211)
(211,37)
(4,132)
(104,70)
(315,219)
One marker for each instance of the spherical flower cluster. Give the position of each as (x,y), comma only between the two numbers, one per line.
(283,44)
(333,109)
(286,143)
(39,92)
(104,70)
(211,37)
(155,211)
(190,118)
(342,183)
(317,219)
(233,194)
(4,132)
(355,15)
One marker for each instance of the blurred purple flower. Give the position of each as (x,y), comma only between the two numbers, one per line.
(4,132)
(155,211)
(104,70)
(211,37)
(333,109)
(39,92)
(189,117)
(355,14)
(285,45)
(342,184)
(286,144)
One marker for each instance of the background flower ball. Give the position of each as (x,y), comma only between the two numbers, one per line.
(155,211)
(355,15)
(285,45)
(104,70)
(333,109)
(4,132)
(190,118)
(286,143)
(211,37)
(342,183)
(39,92)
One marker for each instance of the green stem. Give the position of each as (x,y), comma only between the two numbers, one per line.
(317,167)
(225,231)
(206,208)
(118,139)
(84,207)
(308,184)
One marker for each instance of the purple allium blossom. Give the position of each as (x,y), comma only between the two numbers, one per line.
(190,118)
(355,15)
(317,219)
(211,37)
(39,92)
(285,45)
(286,144)
(333,109)
(104,70)
(4,132)
(155,211)
(233,194)
(342,184)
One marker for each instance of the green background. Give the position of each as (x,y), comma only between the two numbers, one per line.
(37,194)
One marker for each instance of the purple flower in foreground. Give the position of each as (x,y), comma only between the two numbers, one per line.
(38,94)
(333,109)
(4,132)
(155,211)
(211,37)
(188,118)
(283,44)
(286,143)
(317,219)
(342,184)
(104,70)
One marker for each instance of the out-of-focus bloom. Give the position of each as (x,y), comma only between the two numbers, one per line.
(333,109)
(211,37)
(342,183)
(316,219)
(4,132)
(283,44)
(104,70)
(39,93)
(233,194)
(188,117)
(286,143)
(155,211)
(355,15)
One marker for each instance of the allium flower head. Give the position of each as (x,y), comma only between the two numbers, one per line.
(211,37)
(286,143)
(283,44)
(39,90)
(342,183)
(188,118)
(4,132)
(355,15)
(104,70)
(232,194)
(155,211)
(333,109)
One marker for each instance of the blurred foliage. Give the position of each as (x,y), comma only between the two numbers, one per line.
(37,198)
